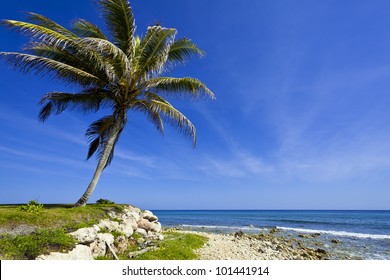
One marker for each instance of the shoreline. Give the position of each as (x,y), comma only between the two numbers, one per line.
(264,246)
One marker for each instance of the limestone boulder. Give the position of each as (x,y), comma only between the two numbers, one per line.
(99,246)
(149,226)
(108,225)
(148,215)
(142,232)
(127,229)
(85,235)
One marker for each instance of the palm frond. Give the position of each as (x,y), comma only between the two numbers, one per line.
(59,38)
(153,50)
(90,62)
(175,117)
(120,21)
(116,57)
(153,115)
(90,100)
(50,24)
(98,134)
(168,85)
(84,28)
(40,33)
(41,65)
(182,49)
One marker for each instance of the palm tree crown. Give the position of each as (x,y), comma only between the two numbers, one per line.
(120,71)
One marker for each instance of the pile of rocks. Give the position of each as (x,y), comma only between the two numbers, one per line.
(111,236)
(263,246)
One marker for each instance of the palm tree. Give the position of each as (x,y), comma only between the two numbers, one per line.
(120,71)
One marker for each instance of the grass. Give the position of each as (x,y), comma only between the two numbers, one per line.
(54,216)
(175,246)
(28,247)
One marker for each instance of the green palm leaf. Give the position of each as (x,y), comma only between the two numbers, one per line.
(90,100)
(42,65)
(84,28)
(40,33)
(182,49)
(49,24)
(120,21)
(113,55)
(98,134)
(174,116)
(153,52)
(169,85)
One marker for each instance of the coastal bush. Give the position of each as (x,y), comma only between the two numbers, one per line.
(102,201)
(28,247)
(32,207)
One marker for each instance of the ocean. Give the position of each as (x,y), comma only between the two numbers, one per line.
(361,234)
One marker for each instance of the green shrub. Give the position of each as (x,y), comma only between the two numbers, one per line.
(32,207)
(102,201)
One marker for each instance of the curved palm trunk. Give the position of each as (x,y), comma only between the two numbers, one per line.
(102,163)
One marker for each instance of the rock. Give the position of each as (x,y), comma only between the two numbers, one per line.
(335,241)
(99,247)
(274,230)
(307,236)
(148,215)
(127,229)
(81,252)
(131,221)
(321,251)
(142,232)
(85,235)
(108,225)
(112,214)
(239,234)
(149,226)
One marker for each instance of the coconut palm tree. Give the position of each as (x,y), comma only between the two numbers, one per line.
(119,71)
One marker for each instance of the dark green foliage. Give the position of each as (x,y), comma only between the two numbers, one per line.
(102,201)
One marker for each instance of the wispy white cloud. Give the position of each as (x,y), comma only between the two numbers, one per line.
(43,157)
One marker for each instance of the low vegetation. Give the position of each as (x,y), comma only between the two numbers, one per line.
(26,234)
(27,247)
(175,246)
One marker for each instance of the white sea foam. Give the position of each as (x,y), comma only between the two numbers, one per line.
(303,230)
(338,233)
(222,227)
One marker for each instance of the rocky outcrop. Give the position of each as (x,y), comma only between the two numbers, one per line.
(99,240)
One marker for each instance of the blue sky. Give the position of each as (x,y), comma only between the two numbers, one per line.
(301,119)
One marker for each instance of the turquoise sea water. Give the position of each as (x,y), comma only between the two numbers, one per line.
(363,234)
